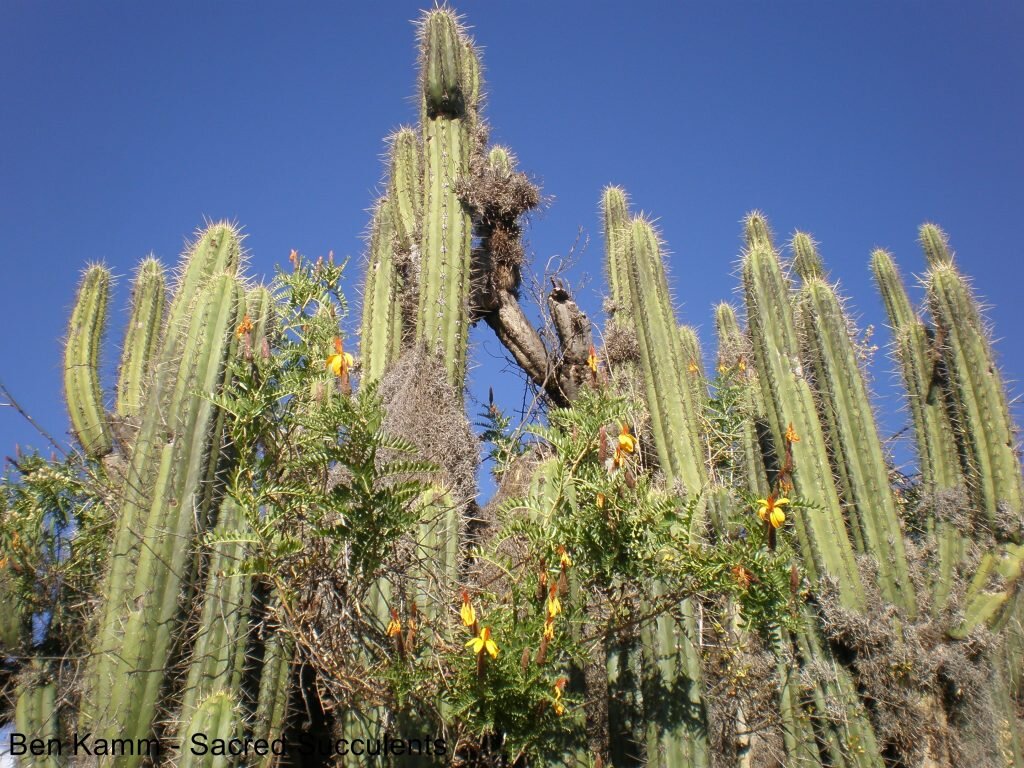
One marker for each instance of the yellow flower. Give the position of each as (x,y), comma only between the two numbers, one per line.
(554,604)
(742,365)
(483,643)
(563,557)
(693,368)
(244,328)
(467,612)
(549,628)
(600,501)
(627,442)
(770,510)
(592,360)
(791,435)
(394,626)
(341,361)
(558,706)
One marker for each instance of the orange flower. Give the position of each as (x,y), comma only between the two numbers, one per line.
(244,327)
(293,257)
(742,575)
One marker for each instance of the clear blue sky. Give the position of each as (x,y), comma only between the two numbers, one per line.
(124,124)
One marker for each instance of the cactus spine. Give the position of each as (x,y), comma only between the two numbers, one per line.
(81,363)
(142,337)
(829,354)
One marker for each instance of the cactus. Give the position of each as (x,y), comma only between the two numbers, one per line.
(142,337)
(785,387)
(35,714)
(382,319)
(171,458)
(984,430)
(734,354)
(405,188)
(219,647)
(978,396)
(670,665)
(615,211)
(936,445)
(81,363)
(217,717)
(449,139)
(830,356)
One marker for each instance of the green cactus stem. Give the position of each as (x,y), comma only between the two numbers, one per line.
(449,138)
(981,414)
(81,363)
(734,355)
(36,716)
(218,717)
(219,646)
(785,386)
(142,337)
(152,554)
(615,211)
(381,336)
(405,187)
(936,444)
(829,354)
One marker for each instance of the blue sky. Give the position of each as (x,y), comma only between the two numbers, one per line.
(124,124)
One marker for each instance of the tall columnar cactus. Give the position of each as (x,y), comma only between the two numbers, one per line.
(984,430)
(940,470)
(831,358)
(673,415)
(142,338)
(381,335)
(615,212)
(164,491)
(734,355)
(450,133)
(787,392)
(405,187)
(978,395)
(81,363)
(671,655)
